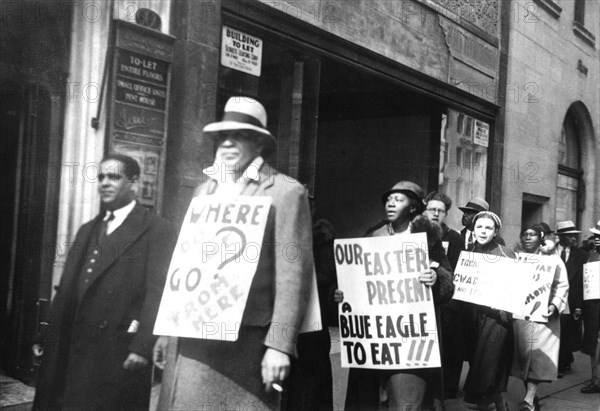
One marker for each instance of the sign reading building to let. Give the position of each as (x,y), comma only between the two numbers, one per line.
(387,318)
(241,51)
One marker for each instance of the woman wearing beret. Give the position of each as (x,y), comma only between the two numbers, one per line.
(491,360)
(405,389)
(537,343)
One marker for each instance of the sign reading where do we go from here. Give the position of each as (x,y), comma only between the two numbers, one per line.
(387,318)
(212,267)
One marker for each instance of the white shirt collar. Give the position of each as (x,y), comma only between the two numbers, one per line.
(119,216)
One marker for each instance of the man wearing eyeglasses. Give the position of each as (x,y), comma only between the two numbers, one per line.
(453,332)
(98,349)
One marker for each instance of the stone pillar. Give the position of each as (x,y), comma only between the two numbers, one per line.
(197,27)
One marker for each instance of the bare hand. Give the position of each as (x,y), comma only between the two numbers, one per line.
(551,311)
(338,296)
(428,277)
(159,352)
(275,367)
(135,362)
(38,350)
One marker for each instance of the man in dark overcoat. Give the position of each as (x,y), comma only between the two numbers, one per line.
(570,324)
(98,349)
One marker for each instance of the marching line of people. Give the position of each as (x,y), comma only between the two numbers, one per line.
(98,349)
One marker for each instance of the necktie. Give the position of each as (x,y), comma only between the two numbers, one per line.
(104,227)
(563,254)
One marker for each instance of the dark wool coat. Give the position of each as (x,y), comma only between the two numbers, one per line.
(570,337)
(87,341)
(363,384)
(493,349)
(591,318)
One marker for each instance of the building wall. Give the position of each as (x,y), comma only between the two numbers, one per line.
(454,42)
(543,82)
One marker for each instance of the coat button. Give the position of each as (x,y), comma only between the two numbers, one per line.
(93,260)
(103,325)
(89,270)
(95,252)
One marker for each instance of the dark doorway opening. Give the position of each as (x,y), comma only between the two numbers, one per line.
(25,125)
(371,134)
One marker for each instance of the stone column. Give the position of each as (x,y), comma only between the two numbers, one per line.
(197,27)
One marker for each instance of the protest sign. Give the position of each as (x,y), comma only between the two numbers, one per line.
(591,281)
(534,275)
(212,267)
(387,318)
(520,286)
(485,279)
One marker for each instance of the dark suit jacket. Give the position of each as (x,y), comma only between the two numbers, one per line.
(577,258)
(87,340)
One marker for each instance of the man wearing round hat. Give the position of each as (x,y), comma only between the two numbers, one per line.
(591,321)
(248,372)
(474,205)
(570,325)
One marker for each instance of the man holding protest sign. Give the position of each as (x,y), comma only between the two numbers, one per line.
(249,368)
(591,317)
(406,379)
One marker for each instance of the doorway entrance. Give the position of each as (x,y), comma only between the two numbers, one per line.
(25,120)
(372,133)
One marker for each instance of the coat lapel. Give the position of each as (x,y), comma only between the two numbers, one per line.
(118,242)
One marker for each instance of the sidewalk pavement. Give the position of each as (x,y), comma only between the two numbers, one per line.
(560,395)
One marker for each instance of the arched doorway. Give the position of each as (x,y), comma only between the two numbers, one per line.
(576,166)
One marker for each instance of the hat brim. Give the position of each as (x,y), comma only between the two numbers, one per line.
(465,209)
(593,230)
(408,193)
(567,232)
(214,129)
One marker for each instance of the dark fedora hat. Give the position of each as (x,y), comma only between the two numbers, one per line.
(475,204)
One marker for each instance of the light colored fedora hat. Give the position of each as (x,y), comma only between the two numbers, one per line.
(476,204)
(566,227)
(596,230)
(241,113)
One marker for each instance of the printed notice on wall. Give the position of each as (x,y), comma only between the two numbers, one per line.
(481,136)
(387,318)
(241,51)
(591,281)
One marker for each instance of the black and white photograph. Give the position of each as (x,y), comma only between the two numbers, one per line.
(300,205)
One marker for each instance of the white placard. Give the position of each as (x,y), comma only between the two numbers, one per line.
(241,51)
(535,274)
(387,318)
(520,286)
(481,135)
(591,281)
(212,267)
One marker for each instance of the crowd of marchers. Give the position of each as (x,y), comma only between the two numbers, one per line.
(99,349)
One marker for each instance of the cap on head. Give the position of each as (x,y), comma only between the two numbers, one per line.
(242,113)
(409,188)
(566,227)
(596,230)
(475,204)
